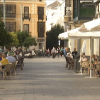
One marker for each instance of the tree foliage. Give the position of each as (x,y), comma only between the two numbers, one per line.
(52,36)
(15,41)
(22,37)
(29,42)
(5,37)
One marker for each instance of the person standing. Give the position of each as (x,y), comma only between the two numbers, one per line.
(61,51)
(58,52)
(64,51)
(48,52)
(74,53)
(0,56)
(53,52)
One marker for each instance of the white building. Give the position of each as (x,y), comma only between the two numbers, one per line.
(55,13)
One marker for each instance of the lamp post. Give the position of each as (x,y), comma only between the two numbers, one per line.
(4,17)
(21,18)
(4,12)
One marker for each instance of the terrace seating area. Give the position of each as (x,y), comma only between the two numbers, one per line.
(10,69)
(9,63)
(83,67)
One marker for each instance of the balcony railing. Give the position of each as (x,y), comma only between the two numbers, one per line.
(67,19)
(9,15)
(27,16)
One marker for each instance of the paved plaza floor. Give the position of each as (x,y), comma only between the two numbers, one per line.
(48,79)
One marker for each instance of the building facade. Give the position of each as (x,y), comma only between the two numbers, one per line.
(55,13)
(97,15)
(33,18)
(97,8)
(78,12)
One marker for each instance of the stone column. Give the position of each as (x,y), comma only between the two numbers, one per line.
(78,46)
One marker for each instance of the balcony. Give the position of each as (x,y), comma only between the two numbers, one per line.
(26,16)
(84,12)
(67,19)
(9,15)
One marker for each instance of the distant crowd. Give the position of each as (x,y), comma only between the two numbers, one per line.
(61,51)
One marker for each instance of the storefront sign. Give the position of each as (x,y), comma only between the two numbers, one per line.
(40,40)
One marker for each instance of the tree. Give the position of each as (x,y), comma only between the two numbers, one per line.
(29,41)
(22,37)
(5,37)
(15,41)
(52,36)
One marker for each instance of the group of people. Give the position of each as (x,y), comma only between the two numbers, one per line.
(8,57)
(94,60)
(63,51)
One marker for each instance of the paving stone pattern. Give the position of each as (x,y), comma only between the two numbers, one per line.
(48,79)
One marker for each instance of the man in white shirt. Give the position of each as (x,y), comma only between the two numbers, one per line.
(11,58)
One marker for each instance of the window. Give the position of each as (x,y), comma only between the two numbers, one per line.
(26,27)
(40,45)
(41,29)
(26,12)
(40,13)
(10,10)
(11,26)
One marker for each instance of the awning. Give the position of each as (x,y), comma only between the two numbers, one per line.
(63,35)
(91,24)
(76,33)
(89,30)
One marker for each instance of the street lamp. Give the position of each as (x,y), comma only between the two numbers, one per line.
(4,12)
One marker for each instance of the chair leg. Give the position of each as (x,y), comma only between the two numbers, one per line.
(23,64)
(15,72)
(4,75)
(21,67)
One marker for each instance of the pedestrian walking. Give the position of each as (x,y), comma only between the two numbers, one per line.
(61,51)
(48,53)
(64,51)
(58,52)
(53,52)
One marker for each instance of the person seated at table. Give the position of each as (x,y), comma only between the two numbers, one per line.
(11,58)
(83,58)
(18,56)
(93,59)
(9,52)
(0,56)
(3,62)
(70,60)
(93,63)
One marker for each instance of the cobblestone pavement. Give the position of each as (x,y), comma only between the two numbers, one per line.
(48,79)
